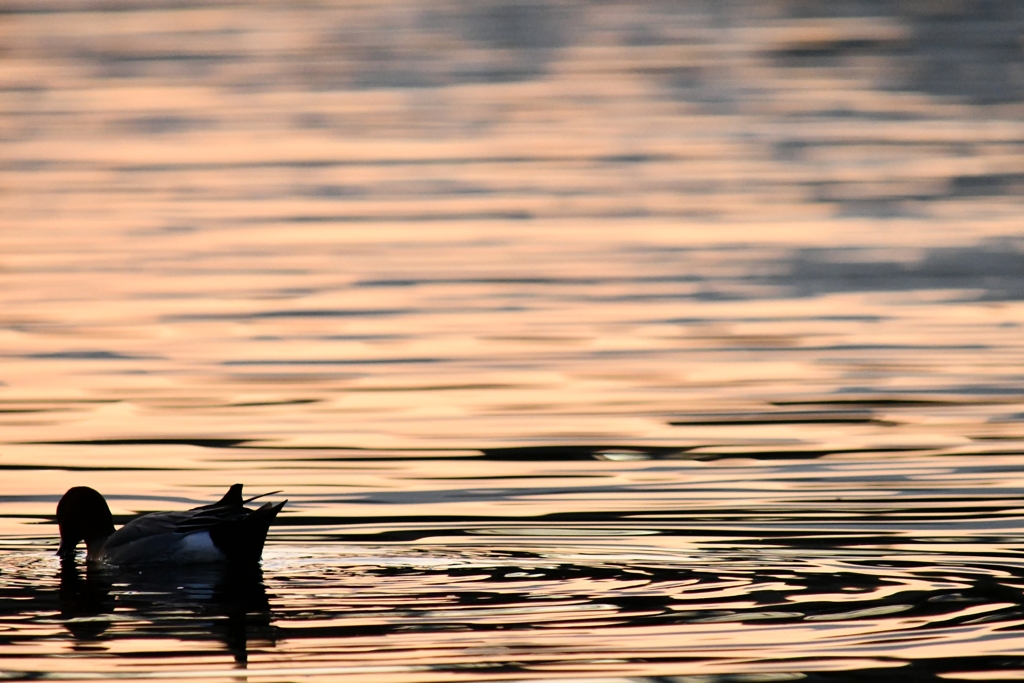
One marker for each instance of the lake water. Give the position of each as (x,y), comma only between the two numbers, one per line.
(648,341)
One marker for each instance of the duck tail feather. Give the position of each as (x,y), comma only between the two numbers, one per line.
(233,498)
(259,495)
(242,539)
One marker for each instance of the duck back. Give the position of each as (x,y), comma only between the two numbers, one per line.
(223,531)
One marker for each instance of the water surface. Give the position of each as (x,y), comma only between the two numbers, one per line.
(604,341)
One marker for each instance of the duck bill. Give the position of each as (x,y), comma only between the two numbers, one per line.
(66,551)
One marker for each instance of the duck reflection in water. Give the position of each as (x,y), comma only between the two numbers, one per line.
(187,603)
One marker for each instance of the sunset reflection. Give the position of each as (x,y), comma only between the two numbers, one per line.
(586,340)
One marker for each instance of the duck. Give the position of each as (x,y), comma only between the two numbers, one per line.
(225,531)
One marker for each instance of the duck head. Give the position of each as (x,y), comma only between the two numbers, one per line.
(83,515)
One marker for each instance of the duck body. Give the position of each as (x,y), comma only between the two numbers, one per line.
(225,531)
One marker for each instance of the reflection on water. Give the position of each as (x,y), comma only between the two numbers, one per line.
(645,593)
(622,563)
(664,340)
(99,605)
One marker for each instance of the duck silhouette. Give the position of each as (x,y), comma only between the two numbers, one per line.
(225,531)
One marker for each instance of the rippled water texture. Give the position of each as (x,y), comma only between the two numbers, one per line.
(607,340)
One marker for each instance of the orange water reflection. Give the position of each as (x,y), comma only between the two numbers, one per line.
(586,340)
